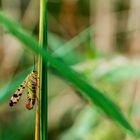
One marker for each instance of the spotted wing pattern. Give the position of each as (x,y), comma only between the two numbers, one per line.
(16,96)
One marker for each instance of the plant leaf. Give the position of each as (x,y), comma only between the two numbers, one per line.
(88,92)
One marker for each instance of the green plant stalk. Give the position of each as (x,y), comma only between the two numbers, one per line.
(43,70)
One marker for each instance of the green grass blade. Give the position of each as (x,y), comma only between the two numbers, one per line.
(91,93)
(15,29)
(55,42)
(43,71)
(88,92)
(73,43)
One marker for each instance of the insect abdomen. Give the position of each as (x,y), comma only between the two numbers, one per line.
(32,85)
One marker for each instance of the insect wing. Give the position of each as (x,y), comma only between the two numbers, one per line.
(16,96)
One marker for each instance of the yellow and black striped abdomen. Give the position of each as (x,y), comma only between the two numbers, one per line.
(32,84)
(32,87)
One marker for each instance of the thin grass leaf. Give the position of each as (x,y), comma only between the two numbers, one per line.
(54,42)
(43,71)
(91,93)
(88,92)
(73,43)
(15,29)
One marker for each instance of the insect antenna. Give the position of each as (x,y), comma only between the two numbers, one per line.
(34,61)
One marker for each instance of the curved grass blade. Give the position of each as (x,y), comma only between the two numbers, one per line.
(74,42)
(91,93)
(54,42)
(88,92)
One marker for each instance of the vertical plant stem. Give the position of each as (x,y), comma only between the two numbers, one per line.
(37,121)
(41,112)
(43,71)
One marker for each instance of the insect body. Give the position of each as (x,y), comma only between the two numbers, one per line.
(31,84)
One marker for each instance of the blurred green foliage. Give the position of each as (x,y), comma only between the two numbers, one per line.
(76,57)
